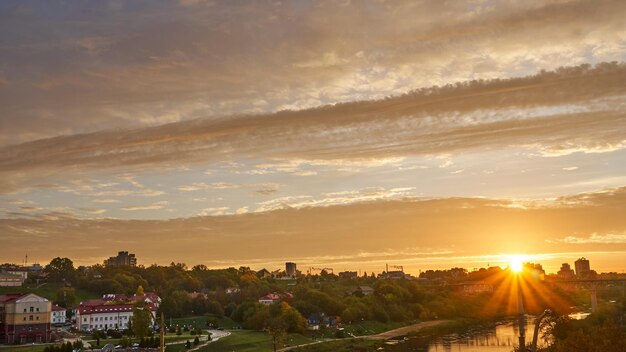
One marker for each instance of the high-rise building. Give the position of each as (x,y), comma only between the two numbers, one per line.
(582,267)
(566,272)
(290,269)
(123,259)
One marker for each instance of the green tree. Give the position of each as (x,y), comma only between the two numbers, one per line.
(65,297)
(141,319)
(61,269)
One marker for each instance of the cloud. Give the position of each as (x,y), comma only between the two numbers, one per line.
(106,200)
(153,206)
(459,229)
(215,211)
(196,186)
(175,63)
(335,198)
(606,238)
(430,121)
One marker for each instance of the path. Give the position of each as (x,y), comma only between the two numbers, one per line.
(215,335)
(405,330)
(382,336)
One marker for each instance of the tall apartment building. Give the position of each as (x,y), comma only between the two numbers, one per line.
(123,258)
(24,318)
(290,269)
(582,267)
(566,272)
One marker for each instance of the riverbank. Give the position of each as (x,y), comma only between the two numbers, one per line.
(405,330)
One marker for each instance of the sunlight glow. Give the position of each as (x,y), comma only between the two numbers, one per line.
(516,263)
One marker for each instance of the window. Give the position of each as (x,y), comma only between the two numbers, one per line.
(32,309)
(38,309)
(24,318)
(24,310)
(37,318)
(30,317)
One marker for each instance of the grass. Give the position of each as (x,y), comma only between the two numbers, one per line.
(25,348)
(251,341)
(367,327)
(49,291)
(371,327)
(200,321)
(347,345)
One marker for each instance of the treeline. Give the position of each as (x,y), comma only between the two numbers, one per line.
(235,293)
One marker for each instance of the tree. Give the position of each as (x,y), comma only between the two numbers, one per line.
(141,319)
(139,291)
(61,269)
(66,297)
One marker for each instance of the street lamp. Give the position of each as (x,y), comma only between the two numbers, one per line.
(521,312)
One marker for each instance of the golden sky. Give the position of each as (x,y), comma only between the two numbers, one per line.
(350,134)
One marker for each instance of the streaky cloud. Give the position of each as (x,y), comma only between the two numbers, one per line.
(428,121)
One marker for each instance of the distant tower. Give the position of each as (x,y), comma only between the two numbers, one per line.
(290,269)
(582,267)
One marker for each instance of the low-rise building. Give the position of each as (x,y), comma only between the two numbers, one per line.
(269,298)
(263,274)
(274,297)
(24,318)
(394,275)
(10,280)
(477,287)
(113,311)
(58,315)
(348,275)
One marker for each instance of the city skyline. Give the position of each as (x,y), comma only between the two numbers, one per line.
(349,135)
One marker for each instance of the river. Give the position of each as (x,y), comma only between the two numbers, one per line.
(500,337)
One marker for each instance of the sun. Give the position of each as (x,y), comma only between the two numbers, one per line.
(516,263)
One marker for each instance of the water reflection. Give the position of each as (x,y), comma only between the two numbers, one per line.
(579,315)
(502,337)
(499,337)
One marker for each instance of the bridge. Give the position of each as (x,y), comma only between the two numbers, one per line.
(591,284)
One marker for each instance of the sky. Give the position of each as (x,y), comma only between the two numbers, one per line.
(344,134)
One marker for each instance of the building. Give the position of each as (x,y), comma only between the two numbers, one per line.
(24,318)
(10,280)
(8,274)
(566,272)
(123,259)
(58,315)
(290,269)
(394,275)
(471,288)
(263,274)
(582,267)
(347,275)
(274,297)
(113,311)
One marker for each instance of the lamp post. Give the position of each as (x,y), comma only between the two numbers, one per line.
(521,318)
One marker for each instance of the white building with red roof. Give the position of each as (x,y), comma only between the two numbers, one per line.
(113,311)
(58,315)
(274,297)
